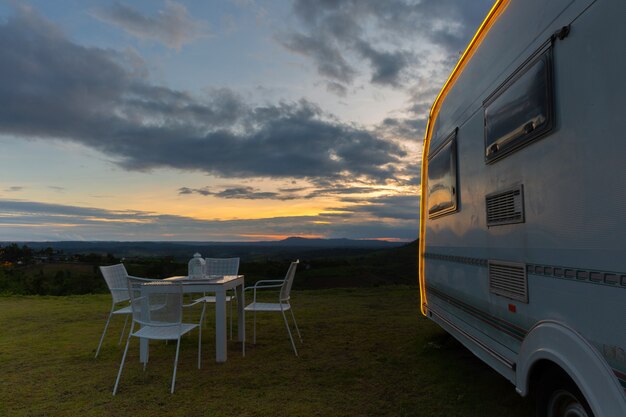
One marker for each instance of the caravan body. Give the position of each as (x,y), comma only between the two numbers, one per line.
(523,211)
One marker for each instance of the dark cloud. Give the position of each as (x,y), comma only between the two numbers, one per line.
(329,59)
(29,208)
(405,129)
(398,207)
(411,174)
(249,193)
(337,88)
(241,193)
(13,189)
(52,88)
(185,190)
(172,26)
(57,188)
(386,66)
(293,189)
(340,190)
(283,194)
(337,35)
(202,191)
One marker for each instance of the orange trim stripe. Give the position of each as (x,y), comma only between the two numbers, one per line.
(480,34)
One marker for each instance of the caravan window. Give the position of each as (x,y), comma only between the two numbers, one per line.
(442,179)
(521,109)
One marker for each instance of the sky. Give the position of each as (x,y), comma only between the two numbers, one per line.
(223,120)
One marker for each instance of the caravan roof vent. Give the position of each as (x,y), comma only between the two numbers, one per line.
(505,207)
(509,280)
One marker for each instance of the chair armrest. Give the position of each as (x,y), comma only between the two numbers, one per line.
(262,287)
(270,280)
(193,303)
(264,284)
(269,283)
(150,279)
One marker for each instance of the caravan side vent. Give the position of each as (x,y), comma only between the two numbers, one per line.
(509,280)
(505,207)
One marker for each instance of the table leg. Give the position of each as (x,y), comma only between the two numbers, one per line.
(220,325)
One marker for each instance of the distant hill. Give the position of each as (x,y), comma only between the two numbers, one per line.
(330,243)
(286,248)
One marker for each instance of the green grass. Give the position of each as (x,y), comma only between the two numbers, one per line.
(366,352)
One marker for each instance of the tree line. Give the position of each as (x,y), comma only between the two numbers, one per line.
(27,271)
(24,271)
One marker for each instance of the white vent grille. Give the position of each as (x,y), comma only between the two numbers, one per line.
(509,280)
(505,207)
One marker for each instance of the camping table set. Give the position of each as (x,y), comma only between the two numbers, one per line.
(211,284)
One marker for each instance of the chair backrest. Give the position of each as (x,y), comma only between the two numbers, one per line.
(222,266)
(156,302)
(115,277)
(285,290)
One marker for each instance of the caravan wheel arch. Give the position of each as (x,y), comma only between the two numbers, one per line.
(550,343)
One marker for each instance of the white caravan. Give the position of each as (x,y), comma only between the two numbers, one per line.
(523,209)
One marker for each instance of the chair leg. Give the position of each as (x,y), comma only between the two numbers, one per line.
(147,356)
(289,331)
(106,326)
(296,324)
(119,373)
(123,329)
(175,365)
(254,330)
(199,343)
(202,314)
(203,307)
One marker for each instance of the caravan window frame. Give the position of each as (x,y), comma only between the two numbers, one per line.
(541,102)
(447,152)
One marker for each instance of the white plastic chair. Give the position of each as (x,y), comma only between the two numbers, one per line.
(220,266)
(116,278)
(157,308)
(283,301)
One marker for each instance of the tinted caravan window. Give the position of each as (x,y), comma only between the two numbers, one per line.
(442,179)
(520,110)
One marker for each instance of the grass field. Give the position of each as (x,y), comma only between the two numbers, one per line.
(366,352)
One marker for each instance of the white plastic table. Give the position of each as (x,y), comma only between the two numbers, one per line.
(218,285)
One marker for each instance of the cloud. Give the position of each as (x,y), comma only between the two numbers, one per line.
(404,207)
(386,66)
(32,208)
(403,129)
(27,220)
(283,194)
(330,61)
(340,189)
(391,36)
(239,193)
(173,27)
(336,88)
(13,189)
(52,88)
(250,193)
